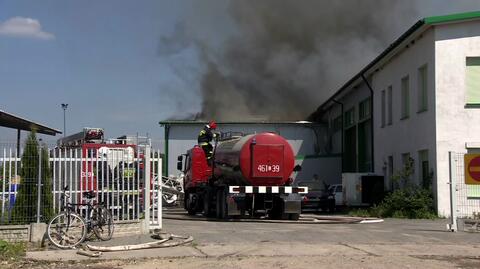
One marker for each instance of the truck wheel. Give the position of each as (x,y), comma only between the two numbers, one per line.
(221,204)
(207,209)
(294,216)
(191,206)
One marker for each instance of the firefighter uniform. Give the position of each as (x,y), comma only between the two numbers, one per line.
(205,137)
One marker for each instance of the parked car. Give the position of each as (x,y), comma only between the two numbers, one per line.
(318,197)
(337,191)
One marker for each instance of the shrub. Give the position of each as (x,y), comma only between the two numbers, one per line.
(25,208)
(407,201)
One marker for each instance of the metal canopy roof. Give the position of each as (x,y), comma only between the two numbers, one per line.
(15,122)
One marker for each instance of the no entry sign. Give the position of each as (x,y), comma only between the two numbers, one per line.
(472,168)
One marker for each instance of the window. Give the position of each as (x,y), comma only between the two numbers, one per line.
(405,97)
(405,158)
(350,117)
(473,80)
(390,105)
(424,169)
(383,108)
(390,171)
(422,89)
(337,124)
(364,109)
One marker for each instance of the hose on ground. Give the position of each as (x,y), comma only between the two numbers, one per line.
(163,242)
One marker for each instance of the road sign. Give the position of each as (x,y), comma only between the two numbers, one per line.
(472,168)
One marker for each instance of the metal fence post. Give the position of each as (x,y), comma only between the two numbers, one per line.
(453,203)
(160,191)
(39,184)
(147,183)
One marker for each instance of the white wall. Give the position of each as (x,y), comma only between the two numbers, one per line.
(456,125)
(304,141)
(417,132)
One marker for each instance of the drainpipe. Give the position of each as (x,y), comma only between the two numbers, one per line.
(341,105)
(167,138)
(371,119)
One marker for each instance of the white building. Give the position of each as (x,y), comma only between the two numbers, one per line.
(425,89)
(306,139)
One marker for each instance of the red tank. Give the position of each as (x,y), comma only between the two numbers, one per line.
(264,159)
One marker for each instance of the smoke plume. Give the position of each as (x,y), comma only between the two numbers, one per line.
(279,59)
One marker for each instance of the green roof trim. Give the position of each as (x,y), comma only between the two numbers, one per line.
(452,17)
(419,25)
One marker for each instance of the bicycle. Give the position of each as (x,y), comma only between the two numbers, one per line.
(68,228)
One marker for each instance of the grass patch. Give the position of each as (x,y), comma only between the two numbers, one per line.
(9,250)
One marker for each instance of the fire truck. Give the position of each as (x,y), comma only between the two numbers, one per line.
(109,168)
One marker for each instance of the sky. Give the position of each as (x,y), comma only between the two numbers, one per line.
(99,57)
(107,61)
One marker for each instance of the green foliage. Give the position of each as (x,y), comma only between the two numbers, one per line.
(407,201)
(25,208)
(11,250)
(47,194)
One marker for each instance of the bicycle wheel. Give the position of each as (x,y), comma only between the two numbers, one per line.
(66,230)
(102,222)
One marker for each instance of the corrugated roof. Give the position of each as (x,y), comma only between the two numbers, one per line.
(186,122)
(417,28)
(15,122)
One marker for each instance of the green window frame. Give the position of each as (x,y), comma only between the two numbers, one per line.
(337,124)
(350,117)
(364,109)
(390,105)
(383,108)
(405,97)
(423,88)
(473,81)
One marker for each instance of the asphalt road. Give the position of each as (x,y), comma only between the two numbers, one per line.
(394,243)
(389,231)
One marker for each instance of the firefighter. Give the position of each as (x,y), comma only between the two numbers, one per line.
(205,137)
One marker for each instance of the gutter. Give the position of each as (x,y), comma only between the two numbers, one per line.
(343,128)
(167,138)
(371,120)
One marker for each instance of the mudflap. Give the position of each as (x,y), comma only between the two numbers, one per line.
(292,203)
(234,204)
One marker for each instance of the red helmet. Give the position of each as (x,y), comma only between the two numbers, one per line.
(212,125)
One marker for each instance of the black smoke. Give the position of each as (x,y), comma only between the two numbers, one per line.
(279,59)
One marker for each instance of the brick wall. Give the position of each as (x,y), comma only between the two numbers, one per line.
(15,233)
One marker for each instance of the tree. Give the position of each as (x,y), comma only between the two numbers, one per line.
(25,208)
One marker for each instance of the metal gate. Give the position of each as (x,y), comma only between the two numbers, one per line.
(124,177)
(464,199)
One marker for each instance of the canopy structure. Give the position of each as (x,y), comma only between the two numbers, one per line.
(15,122)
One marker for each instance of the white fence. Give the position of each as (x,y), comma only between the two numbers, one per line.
(464,199)
(119,175)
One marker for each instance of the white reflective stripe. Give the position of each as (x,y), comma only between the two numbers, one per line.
(262,189)
(305,190)
(275,189)
(288,189)
(231,189)
(248,189)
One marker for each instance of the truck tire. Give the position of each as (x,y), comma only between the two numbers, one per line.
(207,208)
(294,216)
(221,204)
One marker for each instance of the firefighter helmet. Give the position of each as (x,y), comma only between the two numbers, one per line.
(212,125)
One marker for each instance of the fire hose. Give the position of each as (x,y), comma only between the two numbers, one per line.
(163,238)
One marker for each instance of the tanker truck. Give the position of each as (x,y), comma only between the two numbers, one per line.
(249,176)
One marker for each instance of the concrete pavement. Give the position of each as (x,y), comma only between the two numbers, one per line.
(394,239)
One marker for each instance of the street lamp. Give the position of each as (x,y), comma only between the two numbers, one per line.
(64,107)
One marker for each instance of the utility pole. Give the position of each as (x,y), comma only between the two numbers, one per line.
(64,107)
